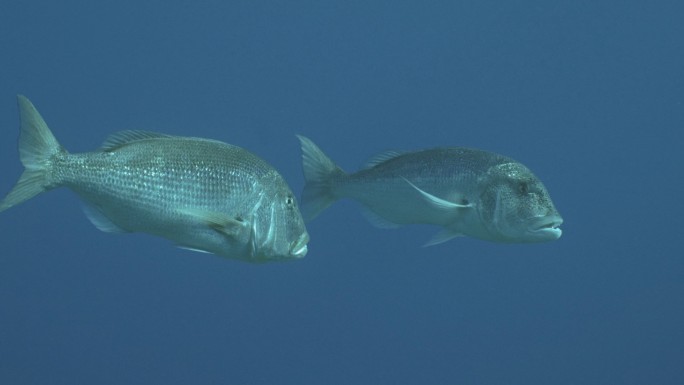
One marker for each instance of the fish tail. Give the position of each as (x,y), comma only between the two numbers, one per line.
(37,146)
(319,172)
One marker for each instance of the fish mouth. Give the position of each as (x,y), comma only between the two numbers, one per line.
(299,247)
(547,227)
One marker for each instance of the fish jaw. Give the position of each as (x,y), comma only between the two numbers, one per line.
(299,248)
(545,228)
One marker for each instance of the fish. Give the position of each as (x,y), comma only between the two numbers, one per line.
(464,191)
(202,194)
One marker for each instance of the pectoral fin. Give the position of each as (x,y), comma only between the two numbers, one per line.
(222,223)
(437,202)
(196,250)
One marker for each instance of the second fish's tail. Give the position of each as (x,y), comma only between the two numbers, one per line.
(319,173)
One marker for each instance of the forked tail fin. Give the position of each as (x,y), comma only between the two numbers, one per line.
(319,172)
(37,146)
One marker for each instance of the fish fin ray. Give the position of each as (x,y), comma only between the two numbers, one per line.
(442,236)
(37,146)
(36,142)
(219,222)
(378,221)
(125,137)
(29,185)
(437,201)
(319,172)
(381,158)
(194,249)
(100,220)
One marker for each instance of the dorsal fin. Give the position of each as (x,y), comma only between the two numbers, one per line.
(125,137)
(381,157)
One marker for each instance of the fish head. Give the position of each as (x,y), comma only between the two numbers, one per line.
(516,207)
(278,230)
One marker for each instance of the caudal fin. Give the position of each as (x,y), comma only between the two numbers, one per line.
(37,146)
(319,172)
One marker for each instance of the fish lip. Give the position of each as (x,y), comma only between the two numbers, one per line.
(299,247)
(547,226)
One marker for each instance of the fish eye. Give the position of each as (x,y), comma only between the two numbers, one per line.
(523,188)
(289,200)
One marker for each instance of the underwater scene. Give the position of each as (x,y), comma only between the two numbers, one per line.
(265,192)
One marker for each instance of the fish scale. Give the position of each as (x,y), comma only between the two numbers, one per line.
(202,194)
(464,191)
(168,176)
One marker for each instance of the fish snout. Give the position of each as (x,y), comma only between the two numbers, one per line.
(298,248)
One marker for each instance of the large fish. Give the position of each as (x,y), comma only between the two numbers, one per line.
(467,192)
(202,194)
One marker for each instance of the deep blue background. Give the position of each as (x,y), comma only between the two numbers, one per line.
(589,94)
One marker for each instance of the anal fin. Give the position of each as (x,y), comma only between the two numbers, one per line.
(441,237)
(99,220)
(376,220)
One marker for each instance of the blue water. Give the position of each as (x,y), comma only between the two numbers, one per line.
(588,94)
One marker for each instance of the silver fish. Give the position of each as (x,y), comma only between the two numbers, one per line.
(202,194)
(467,192)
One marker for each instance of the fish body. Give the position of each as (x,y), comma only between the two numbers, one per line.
(202,194)
(465,191)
